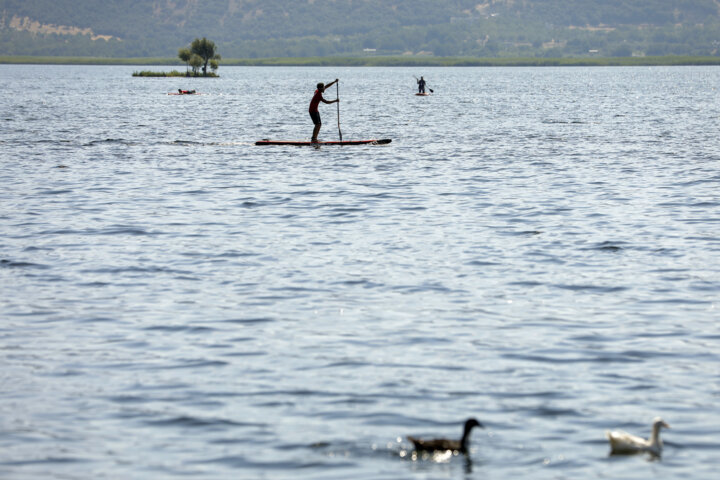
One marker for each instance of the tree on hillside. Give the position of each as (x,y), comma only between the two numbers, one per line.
(204,49)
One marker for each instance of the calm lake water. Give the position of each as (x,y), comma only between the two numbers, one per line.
(538,248)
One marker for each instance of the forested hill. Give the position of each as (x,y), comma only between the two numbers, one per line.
(264,28)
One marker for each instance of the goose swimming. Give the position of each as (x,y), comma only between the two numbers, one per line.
(622,443)
(444,444)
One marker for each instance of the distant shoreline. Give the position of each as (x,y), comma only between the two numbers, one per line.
(381,61)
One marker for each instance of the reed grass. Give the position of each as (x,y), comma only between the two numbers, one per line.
(172,73)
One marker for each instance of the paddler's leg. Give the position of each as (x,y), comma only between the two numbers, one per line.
(316,131)
(316,120)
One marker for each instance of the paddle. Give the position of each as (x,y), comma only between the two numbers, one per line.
(337,90)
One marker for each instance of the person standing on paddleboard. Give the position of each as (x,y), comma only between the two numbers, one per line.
(421,85)
(314,114)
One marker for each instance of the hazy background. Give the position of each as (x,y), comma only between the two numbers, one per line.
(267,28)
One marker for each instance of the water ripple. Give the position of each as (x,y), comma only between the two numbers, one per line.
(534,249)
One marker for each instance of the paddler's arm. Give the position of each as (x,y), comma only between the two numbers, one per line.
(326,87)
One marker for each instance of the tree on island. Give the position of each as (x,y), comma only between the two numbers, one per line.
(185,54)
(195,63)
(200,53)
(205,49)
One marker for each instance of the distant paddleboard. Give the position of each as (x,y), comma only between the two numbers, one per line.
(422,94)
(382,141)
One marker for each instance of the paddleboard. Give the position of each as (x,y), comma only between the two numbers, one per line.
(422,94)
(175,93)
(382,141)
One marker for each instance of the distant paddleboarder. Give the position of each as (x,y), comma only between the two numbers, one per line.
(421,85)
(314,114)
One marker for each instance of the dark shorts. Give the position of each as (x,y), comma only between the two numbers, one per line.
(315,118)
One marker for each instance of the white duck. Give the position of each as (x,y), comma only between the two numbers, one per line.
(622,443)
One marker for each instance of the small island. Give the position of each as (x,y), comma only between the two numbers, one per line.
(198,56)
